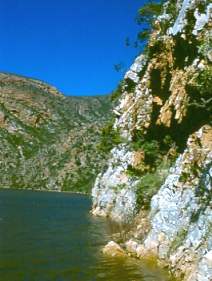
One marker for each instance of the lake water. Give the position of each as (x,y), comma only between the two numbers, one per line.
(47,236)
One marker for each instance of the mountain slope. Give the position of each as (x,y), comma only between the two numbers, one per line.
(48,141)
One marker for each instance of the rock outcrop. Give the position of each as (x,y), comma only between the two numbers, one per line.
(181,215)
(159,177)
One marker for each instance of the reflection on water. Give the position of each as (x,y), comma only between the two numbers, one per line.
(51,236)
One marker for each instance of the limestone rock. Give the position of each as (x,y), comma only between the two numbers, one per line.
(165,106)
(131,246)
(113,249)
(202,19)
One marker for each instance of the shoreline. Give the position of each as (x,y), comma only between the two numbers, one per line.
(45,190)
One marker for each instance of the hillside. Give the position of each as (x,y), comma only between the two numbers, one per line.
(47,140)
(159,173)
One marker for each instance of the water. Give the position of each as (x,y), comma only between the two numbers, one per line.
(52,237)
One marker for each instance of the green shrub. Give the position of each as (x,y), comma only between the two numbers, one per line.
(180,237)
(203,195)
(201,89)
(205,47)
(149,12)
(109,138)
(119,187)
(133,172)
(151,149)
(125,85)
(146,17)
(146,188)
(204,82)
(116,94)
(130,85)
(149,184)
(171,9)
(151,152)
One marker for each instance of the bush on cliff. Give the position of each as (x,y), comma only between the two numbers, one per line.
(109,138)
(117,92)
(149,184)
(147,15)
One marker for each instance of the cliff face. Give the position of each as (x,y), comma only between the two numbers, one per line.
(159,177)
(48,141)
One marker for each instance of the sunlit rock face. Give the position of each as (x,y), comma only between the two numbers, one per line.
(166,92)
(113,193)
(181,215)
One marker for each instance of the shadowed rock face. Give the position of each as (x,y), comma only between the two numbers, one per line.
(166,94)
(48,141)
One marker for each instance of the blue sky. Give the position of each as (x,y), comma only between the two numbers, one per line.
(71,44)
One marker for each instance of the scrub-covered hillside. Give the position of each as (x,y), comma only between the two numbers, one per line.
(48,141)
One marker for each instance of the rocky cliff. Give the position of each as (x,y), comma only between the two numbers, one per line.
(158,177)
(48,141)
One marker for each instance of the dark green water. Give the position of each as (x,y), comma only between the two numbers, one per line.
(52,237)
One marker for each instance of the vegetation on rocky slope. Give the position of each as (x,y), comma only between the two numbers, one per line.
(159,176)
(48,141)
(177,74)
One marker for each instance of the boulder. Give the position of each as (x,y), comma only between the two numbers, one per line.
(113,249)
